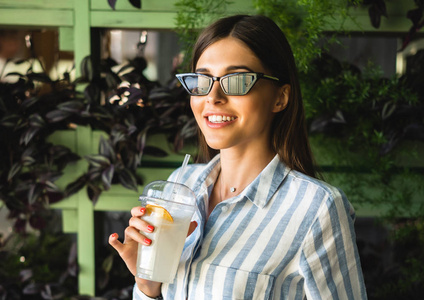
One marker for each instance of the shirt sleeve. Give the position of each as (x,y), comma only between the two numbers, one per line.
(139,295)
(330,261)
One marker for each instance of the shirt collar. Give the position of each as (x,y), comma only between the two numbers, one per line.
(260,190)
(265,185)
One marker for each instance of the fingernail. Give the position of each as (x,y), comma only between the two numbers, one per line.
(114,235)
(143,210)
(150,228)
(147,241)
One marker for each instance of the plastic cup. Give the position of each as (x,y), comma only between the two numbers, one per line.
(169,208)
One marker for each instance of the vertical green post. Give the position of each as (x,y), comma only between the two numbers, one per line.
(82,38)
(85,230)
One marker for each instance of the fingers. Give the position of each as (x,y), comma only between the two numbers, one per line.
(115,243)
(138,211)
(133,235)
(141,225)
(132,232)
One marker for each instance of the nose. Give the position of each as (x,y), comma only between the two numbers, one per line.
(216,95)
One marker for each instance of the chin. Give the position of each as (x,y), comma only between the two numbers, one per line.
(215,144)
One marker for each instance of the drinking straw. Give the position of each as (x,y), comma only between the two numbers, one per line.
(183,166)
(174,191)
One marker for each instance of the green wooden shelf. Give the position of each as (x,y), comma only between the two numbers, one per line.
(36,17)
(37,4)
(133,19)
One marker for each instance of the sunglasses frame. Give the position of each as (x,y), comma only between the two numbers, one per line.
(257,76)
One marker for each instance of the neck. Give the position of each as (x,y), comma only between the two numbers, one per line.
(238,170)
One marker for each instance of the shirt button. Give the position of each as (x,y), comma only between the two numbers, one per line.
(224,208)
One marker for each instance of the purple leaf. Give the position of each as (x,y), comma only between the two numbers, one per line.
(375,16)
(27,136)
(25,274)
(93,193)
(415,15)
(128,180)
(16,168)
(37,222)
(106,149)
(57,115)
(136,3)
(32,289)
(107,176)
(112,3)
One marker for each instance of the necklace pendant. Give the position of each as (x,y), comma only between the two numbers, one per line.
(232,189)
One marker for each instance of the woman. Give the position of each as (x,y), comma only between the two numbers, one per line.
(266,227)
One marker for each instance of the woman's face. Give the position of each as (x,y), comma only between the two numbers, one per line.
(236,121)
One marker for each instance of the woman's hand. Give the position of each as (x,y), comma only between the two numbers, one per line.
(128,249)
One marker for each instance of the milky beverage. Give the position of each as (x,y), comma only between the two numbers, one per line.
(169,208)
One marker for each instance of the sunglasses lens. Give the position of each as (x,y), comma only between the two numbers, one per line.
(197,85)
(238,84)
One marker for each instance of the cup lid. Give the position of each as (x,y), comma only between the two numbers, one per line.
(170,191)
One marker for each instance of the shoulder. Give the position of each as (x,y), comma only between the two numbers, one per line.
(318,184)
(324,195)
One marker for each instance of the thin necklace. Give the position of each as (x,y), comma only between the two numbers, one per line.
(232,189)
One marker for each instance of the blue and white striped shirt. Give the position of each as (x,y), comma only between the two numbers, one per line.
(286,236)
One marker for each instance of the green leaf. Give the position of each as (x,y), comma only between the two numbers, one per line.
(388,109)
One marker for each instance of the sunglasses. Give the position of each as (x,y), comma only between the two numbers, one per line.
(236,84)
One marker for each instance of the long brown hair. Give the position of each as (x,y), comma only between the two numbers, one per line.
(267,41)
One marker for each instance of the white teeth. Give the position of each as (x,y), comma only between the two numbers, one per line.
(220,119)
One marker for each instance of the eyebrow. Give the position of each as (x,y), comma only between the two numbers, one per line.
(230,68)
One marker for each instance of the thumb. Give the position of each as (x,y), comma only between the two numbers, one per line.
(192,227)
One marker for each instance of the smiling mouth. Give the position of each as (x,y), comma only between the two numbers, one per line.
(220,119)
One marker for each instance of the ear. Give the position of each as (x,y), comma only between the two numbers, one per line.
(283,98)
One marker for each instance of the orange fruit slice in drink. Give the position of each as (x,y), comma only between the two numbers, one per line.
(158,210)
